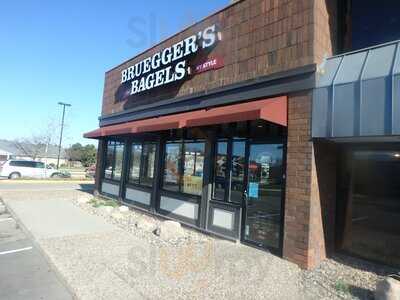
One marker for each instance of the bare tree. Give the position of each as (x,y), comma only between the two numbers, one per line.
(38,143)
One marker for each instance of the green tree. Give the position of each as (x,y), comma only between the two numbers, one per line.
(85,154)
(89,155)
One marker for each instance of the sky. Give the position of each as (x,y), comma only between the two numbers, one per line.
(52,51)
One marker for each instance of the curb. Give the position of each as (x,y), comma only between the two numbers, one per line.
(58,274)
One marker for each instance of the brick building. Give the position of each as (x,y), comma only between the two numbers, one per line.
(260,123)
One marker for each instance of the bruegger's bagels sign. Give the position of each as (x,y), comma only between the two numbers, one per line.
(170,64)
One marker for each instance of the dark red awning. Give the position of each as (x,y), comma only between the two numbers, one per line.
(273,110)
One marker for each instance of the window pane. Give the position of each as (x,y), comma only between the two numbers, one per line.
(39,165)
(171,172)
(263,207)
(220,165)
(149,154)
(109,160)
(370,28)
(136,155)
(237,173)
(119,152)
(193,168)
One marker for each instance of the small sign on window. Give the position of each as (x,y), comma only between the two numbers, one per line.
(253,189)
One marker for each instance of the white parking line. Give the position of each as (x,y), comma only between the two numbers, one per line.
(6,219)
(16,250)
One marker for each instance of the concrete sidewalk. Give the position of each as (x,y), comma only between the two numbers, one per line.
(75,242)
(48,218)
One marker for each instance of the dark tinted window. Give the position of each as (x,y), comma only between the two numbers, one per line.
(370,22)
(21,163)
(369,205)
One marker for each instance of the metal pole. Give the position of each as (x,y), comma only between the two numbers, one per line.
(61,134)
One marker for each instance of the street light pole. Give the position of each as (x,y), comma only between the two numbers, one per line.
(62,129)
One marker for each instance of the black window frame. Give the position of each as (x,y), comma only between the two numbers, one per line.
(139,182)
(181,167)
(113,144)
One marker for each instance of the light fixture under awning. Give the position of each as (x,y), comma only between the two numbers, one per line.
(273,110)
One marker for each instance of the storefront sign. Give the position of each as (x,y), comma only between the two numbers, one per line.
(170,65)
(210,64)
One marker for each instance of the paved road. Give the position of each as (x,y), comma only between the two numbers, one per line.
(24,273)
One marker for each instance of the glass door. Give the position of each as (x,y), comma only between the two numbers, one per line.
(263,197)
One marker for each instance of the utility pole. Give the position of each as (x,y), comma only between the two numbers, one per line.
(62,129)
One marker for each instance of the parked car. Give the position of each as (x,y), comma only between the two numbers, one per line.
(14,169)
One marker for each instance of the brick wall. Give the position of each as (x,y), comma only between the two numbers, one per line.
(311,165)
(298,180)
(325,29)
(259,37)
(310,188)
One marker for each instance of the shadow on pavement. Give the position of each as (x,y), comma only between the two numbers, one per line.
(86,187)
(361,293)
(364,265)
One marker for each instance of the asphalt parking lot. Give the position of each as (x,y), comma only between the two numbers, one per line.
(24,272)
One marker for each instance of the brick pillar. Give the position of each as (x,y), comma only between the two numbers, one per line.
(310,194)
(99,165)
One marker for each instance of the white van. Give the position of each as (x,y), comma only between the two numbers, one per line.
(14,169)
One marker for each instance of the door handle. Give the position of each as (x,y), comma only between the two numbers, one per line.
(245,197)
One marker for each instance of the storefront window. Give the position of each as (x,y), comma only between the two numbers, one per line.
(193,168)
(136,156)
(148,158)
(220,169)
(172,177)
(119,155)
(109,161)
(229,171)
(142,163)
(237,173)
(184,162)
(113,160)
